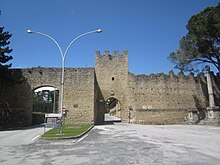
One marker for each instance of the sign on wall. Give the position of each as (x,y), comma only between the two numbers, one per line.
(53,120)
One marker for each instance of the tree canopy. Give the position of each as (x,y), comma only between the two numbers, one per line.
(202,42)
(4,49)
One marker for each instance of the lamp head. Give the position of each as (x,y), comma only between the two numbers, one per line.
(30,31)
(98,30)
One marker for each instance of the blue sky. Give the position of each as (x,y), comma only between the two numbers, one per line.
(149,29)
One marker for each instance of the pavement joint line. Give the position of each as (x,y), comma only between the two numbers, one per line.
(35,138)
(82,138)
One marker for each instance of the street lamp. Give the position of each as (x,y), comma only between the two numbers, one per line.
(63,56)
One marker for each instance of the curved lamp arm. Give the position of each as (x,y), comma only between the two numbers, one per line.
(46,35)
(63,56)
(94,31)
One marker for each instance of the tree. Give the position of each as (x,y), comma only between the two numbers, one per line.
(4,49)
(202,42)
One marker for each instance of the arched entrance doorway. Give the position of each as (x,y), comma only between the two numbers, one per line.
(45,100)
(113,110)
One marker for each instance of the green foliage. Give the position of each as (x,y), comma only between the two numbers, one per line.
(202,42)
(43,101)
(4,49)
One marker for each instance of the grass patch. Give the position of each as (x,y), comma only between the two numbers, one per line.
(69,130)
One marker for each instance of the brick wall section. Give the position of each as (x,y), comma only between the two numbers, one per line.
(78,89)
(79,95)
(161,98)
(15,99)
(160,116)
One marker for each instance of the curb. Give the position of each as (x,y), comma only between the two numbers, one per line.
(68,137)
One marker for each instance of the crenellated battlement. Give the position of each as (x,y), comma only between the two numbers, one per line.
(171,75)
(108,61)
(115,53)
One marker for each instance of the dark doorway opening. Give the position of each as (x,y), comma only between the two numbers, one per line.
(112,110)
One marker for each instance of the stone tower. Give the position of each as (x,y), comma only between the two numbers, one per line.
(112,84)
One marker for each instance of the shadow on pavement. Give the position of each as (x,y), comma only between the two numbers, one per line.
(12,128)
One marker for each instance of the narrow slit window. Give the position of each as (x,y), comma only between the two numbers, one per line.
(113,78)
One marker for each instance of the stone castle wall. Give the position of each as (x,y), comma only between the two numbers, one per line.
(154,99)
(16,93)
(15,99)
(79,95)
(165,99)
(78,89)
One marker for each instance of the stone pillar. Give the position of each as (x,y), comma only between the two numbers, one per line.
(213,112)
(193,117)
(210,88)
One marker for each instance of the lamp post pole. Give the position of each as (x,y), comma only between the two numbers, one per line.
(63,57)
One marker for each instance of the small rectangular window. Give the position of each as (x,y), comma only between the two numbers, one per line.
(113,78)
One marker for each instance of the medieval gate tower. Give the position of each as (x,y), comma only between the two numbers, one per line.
(112,83)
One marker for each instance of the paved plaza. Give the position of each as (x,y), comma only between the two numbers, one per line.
(115,144)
